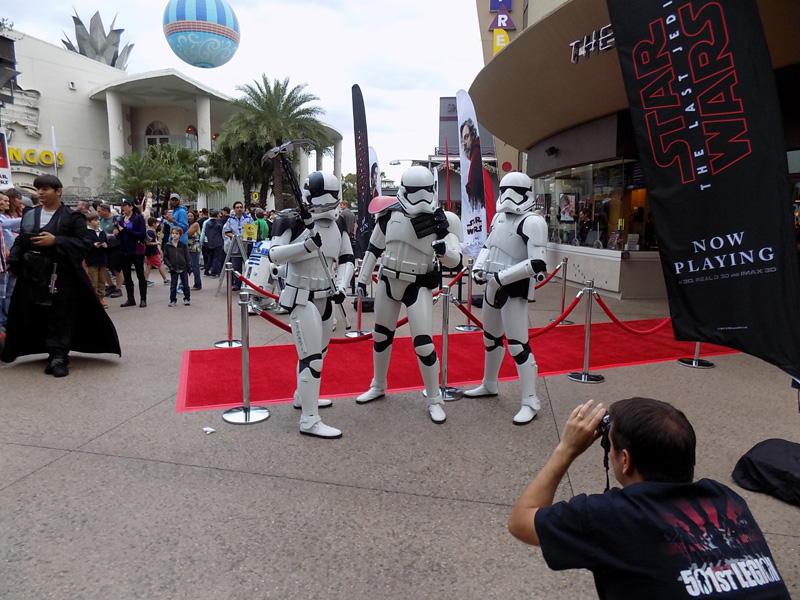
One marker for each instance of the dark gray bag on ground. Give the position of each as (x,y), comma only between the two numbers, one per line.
(771,467)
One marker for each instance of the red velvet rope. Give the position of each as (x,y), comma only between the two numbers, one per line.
(627,328)
(469,315)
(255,287)
(549,277)
(552,325)
(281,325)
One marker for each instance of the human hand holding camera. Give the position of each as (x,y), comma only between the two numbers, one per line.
(581,428)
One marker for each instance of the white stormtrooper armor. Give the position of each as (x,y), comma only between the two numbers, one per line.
(408,241)
(307,292)
(511,261)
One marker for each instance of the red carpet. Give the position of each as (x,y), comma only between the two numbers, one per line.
(212,379)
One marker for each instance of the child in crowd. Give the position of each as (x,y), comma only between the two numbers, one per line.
(96,259)
(152,253)
(178,261)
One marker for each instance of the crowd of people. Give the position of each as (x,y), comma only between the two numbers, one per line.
(182,246)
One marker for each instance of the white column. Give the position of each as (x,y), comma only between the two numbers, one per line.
(337,159)
(203,104)
(302,167)
(116,137)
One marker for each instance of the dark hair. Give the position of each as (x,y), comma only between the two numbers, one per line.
(151,221)
(658,436)
(214,213)
(226,209)
(50,181)
(237,202)
(587,212)
(13,193)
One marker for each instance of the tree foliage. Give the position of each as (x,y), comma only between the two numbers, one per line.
(164,169)
(271,113)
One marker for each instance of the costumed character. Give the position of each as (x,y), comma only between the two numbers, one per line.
(262,273)
(54,308)
(307,293)
(509,263)
(409,237)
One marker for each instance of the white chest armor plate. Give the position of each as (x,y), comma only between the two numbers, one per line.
(404,251)
(506,247)
(307,272)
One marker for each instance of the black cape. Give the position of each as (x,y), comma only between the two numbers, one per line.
(93,332)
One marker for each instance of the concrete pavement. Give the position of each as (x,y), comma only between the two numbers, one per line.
(107,493)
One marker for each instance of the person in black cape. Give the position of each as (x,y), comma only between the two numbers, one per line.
(54,309)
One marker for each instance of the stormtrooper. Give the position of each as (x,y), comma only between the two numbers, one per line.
(307,293)
(510,262)
(409,237)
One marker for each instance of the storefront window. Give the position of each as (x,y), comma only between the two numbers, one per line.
(615,197)
(191,137)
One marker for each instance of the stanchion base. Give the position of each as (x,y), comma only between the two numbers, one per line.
(352,334)
(564,322)
(697,363)
(449,394)
(467,328)
(245,416)
(228,344)
(581,377)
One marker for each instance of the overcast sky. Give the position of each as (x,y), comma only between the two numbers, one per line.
(404,55)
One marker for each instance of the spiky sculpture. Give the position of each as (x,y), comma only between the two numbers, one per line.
(95,44)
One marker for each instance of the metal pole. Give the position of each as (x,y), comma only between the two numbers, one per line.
(563,267)
(469,326)
(696,362)
(358,332)
(230,342)
(245,414)
(585,376)
(448,393)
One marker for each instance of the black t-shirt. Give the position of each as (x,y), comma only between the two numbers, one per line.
(662,540)
(151,237)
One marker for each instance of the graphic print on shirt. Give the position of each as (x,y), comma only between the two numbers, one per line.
(722,549)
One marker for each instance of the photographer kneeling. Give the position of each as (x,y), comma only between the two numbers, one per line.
(661,536)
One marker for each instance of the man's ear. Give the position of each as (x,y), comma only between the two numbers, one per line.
(626,462)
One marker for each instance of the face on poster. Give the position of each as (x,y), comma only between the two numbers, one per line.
(374,173)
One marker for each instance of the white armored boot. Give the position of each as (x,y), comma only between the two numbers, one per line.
(310,421)
(430,375)
(321,403)
(528,371)
(491,368)
(377,388)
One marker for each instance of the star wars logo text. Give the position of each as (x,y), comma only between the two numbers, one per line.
(475,225)
(688,90)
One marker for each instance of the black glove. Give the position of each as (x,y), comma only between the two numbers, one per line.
(313,242)
(339,296)
(361,290)
(439,247)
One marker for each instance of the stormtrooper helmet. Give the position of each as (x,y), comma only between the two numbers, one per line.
(516,194)
(416,192)
(321,192)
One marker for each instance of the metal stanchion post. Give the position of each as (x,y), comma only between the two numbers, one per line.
(469,326)
(564,262)
(585,376)
(448,393)
(245,414)
(230,342)
(358,332)
(696,362)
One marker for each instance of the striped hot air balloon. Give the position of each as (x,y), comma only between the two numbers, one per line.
(202,33)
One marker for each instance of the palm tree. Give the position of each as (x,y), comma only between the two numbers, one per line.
(164,169)
(241,162)
(272,113)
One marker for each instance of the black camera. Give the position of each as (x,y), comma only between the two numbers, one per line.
(605,428)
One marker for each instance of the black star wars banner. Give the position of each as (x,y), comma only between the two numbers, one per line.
(708,127)
(365,221)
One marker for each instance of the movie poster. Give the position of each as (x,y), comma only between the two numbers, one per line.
(707,123)
(473,201)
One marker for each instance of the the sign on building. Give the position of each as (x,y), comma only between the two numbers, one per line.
(5,164)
